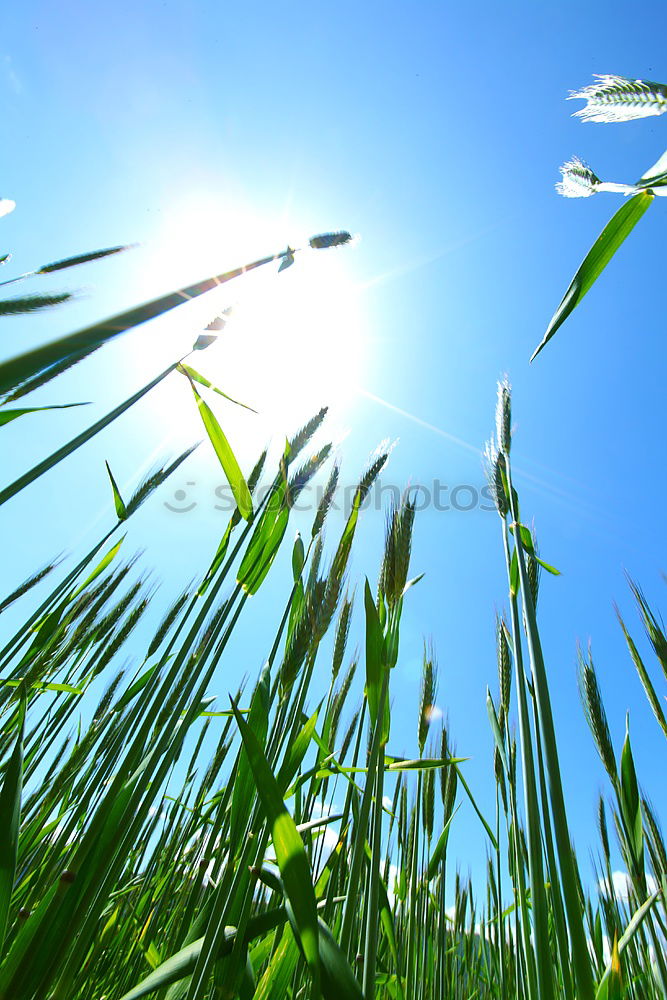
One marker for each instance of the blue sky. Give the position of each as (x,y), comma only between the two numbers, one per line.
(213,134)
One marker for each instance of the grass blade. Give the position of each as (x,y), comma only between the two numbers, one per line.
(7,415)
(597,258)
(290,852)
(119,504)
(223,450)
(196,377)
(10,814)
(182,964)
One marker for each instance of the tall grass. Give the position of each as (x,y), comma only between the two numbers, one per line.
(275,847)
(144,864)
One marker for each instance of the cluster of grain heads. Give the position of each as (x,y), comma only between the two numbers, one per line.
(159,844)
(631,816)
(117,767)
(544,806)
(559,942)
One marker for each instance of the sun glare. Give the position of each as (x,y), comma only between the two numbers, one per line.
(291,341)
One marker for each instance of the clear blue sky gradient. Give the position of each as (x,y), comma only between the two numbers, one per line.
(435,131)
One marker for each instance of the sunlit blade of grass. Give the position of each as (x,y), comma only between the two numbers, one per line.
(196,377)
(610,239)
(289,850)
(226,456)
(119,503)
(581,957)
(183,963)
(10,814)
(8,414)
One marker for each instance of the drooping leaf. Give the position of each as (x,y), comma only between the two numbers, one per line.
(196,377)
(226,456)
(529,546)
(184,961)
(287,260)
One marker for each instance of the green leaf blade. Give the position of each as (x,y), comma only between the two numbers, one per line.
(290,852)
(10,815)
(119,503)
(610,239)
(226,456)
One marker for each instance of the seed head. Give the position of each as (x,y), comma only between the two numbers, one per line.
(617,99)
(504,416)
(494,462)
(398,546)
(577,179)
(595,714)
(303,436)
(426,697)
(504,665)
(347,739)
(326,501)
(326,240)
(602,827)
(342,632)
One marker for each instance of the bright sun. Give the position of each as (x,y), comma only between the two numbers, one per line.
(293,341)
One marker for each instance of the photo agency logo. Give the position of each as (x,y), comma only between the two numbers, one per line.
(436,496)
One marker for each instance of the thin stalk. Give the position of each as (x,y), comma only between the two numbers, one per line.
(580,954)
